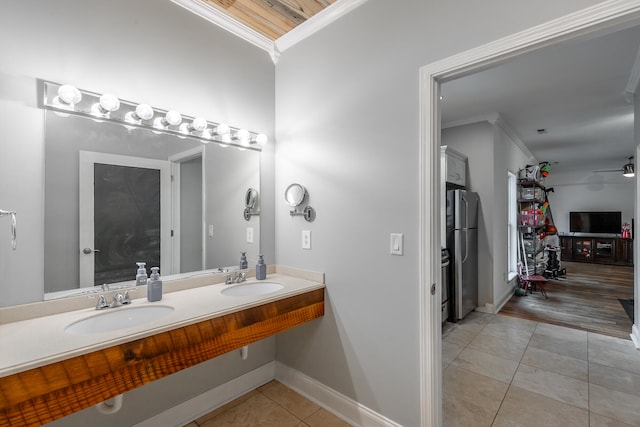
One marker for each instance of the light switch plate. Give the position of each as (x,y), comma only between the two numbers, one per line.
(210,230)
(306,239)
(249,234)
(397,244)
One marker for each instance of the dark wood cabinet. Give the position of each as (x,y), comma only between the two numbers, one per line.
(601,250)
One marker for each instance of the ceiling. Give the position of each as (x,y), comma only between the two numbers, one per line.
(575,91)
(271,18)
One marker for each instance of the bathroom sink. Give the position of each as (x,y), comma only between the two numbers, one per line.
(251,288)
(119,318)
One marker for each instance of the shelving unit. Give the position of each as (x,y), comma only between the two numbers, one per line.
(531,222)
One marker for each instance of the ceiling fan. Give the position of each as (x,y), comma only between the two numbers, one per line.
(628,170)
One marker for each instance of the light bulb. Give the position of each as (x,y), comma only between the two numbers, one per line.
(107,104)
(173,118)
(199,124)
(242,135)
(69,94)
(222,129)
(261,139)
(142,112)
(206,134)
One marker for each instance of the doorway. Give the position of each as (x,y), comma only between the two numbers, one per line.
(597,18)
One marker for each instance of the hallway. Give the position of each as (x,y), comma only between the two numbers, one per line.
(504,371)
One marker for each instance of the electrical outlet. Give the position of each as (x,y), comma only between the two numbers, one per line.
(210,230)
(306,239)
(249,234)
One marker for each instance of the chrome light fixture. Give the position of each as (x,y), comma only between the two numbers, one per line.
(628,170)
(67,99)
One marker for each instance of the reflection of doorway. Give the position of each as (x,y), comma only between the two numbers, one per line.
(188,227)
(124,217)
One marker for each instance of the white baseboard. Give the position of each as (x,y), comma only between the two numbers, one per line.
(635,337)
(186,412)
(338,404)
(341,406)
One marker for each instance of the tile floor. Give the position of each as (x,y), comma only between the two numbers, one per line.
(272,405)
(504,371)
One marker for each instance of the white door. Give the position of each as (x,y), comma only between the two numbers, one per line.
(125,216)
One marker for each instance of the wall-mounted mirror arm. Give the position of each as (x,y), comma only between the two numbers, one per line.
(250,202)
(296,195)
(11,214)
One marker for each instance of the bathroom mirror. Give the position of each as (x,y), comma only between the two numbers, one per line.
(179,195)
(295,195)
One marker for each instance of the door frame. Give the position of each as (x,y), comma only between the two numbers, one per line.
(86,186)
(600,17)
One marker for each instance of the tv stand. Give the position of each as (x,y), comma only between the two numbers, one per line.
(596,249)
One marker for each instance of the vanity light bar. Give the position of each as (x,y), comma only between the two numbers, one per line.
(67,99)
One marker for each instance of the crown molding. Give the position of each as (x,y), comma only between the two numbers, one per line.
(219,18)
(318,21)
(634,79)
(273,48)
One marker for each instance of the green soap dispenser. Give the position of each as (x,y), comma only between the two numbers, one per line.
(154,287)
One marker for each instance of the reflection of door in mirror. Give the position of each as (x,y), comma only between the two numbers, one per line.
(120,217)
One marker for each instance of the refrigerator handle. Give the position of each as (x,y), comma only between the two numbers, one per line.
(466,247)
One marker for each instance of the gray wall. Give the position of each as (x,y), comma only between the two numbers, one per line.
(180,62)
(347,129)
(191,215)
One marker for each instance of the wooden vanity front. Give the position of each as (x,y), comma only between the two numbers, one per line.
(43,394)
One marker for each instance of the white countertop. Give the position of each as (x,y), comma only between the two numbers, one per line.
(36,342)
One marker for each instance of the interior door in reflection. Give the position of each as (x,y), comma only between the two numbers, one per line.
(121,219)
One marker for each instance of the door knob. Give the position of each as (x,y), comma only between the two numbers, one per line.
(87,251)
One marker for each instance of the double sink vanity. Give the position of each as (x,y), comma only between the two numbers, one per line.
(72,358)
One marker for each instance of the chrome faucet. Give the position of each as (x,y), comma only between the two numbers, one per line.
(241,276)
(118,300)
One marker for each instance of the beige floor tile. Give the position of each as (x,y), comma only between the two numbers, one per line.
(614,352)
(564,365)
(257,411)
(498,347)
(459,336)
(522,408)
(323,418)
(550,384)
(572,347)
(509,332)
(596,420)
(613,404)
(470,399)
(203,419)
(614,378)
(449,352)
(561,332)
(298,405)
(487,364)
(516,321)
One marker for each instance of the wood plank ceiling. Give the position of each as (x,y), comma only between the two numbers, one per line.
(271,18)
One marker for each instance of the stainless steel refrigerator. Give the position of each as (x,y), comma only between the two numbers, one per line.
(462,242)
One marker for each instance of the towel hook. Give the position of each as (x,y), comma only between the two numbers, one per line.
(13,226)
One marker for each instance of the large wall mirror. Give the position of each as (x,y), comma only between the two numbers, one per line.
(115,196)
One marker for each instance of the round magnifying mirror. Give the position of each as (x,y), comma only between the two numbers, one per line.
(251,198)
(295,195)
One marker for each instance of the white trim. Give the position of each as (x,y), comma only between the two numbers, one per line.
(502,123)
(317,22)
(634,79)
(338,404)
(221,19)
(603,15)
(192,409)
(635,336)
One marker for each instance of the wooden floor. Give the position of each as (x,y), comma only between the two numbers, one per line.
(587,299)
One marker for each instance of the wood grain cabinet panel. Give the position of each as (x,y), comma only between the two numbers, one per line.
(600,250)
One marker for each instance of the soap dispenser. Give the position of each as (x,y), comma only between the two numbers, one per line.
(154,288)
(261,269)
(243,261)
(141,277)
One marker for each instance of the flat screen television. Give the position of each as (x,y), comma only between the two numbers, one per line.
(595,222)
